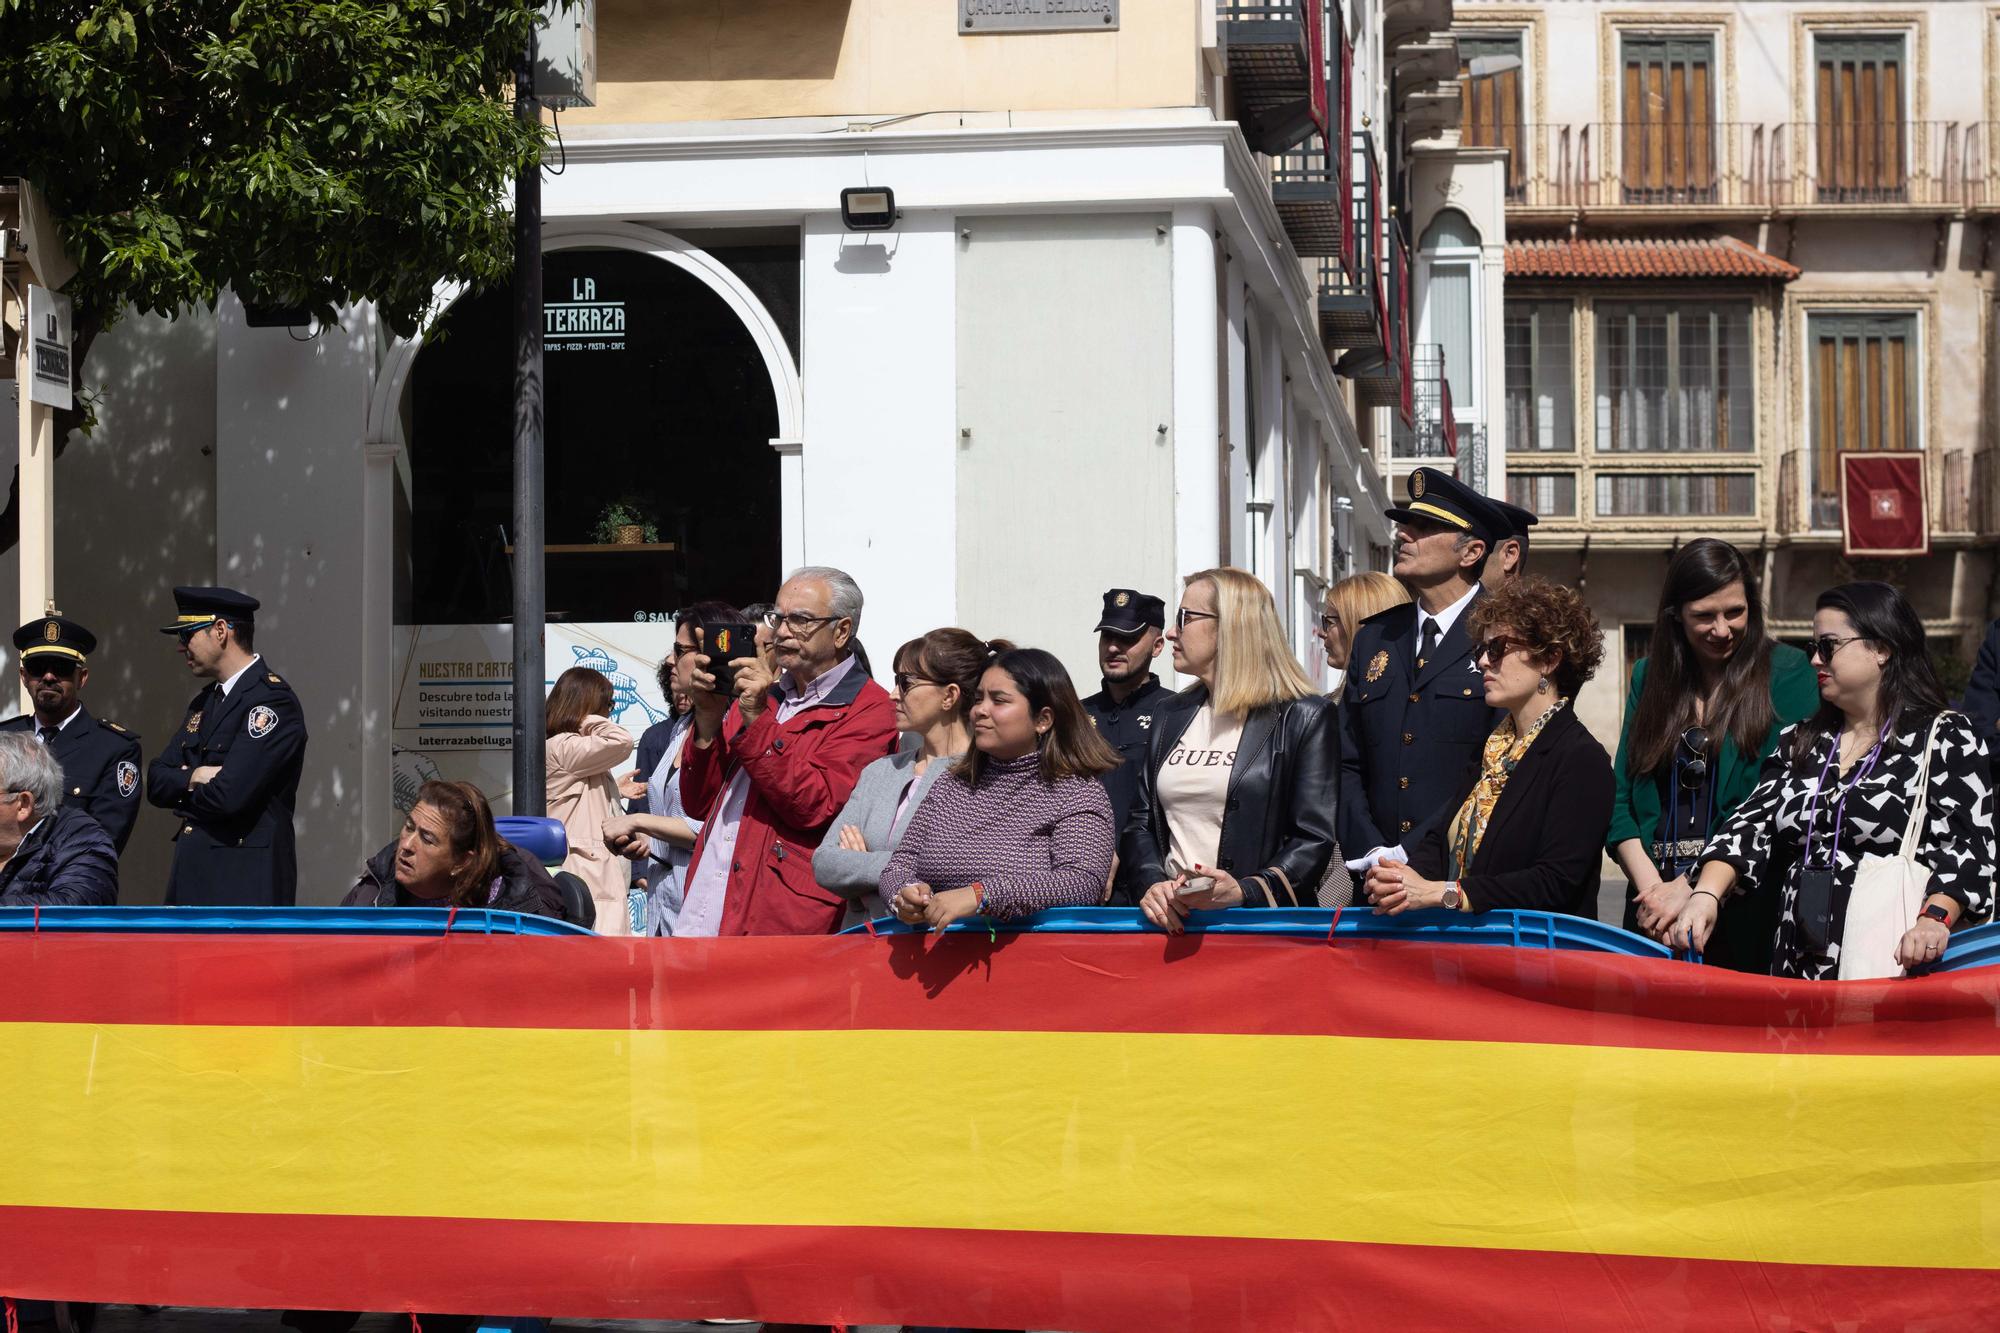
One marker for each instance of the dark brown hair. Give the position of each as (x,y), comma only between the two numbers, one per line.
(1553,619)
(949,656)
(579,692)
(1909,694)
(1072,748)
(1742,709)
(468,822)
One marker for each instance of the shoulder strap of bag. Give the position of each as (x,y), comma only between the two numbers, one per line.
(1913,832)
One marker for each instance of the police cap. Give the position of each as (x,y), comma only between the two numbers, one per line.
(202,607)
(1519,520)
(1127,611)
(54,636)
(1440,498)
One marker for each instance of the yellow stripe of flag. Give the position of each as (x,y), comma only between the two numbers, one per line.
(1878,1160)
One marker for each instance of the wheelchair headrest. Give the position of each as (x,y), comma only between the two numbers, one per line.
(537,835)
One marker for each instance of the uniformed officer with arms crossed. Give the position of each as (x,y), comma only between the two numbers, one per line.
(231,773)
(100,760)
(1129,636)
(1414,714)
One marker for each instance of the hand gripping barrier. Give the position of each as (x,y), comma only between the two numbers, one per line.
(284,921)
(1517,930)
(1976,947)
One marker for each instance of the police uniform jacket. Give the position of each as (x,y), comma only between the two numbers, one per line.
(1278,812)
(66,860)
(100,763)
(1126,727)
(235,846)
(1407,732)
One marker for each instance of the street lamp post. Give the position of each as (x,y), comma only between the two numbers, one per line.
(530,593)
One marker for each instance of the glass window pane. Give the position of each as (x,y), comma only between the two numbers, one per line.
(1673,377)
(1539,386)
(1449,294)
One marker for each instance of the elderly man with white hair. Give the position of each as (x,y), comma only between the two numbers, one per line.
(57,855)
(768,768)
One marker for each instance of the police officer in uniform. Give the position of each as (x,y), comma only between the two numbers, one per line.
(1129,636)
(1414,714)
(100,760)
(1510,556)
(231,773)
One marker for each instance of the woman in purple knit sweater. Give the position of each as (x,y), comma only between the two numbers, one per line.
(1021,822)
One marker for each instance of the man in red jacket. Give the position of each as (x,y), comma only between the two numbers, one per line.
(767,773)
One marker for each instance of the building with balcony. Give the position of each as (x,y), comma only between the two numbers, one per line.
(1143,304)
(1745,244)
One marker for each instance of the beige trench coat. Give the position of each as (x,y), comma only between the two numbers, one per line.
(583,793)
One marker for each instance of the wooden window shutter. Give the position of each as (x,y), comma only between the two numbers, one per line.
(1490,114)
(1863,398)
(1861,139)
(1668,139)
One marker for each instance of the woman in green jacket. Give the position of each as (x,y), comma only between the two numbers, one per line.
(1704,710)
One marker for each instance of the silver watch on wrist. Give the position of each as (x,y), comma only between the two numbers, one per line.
(1451,896)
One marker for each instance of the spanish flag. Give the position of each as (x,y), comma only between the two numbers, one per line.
(1081,1132)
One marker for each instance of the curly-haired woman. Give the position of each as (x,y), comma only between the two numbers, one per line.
(1529,832)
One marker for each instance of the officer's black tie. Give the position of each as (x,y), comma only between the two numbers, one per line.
(1430,643)
(42,733)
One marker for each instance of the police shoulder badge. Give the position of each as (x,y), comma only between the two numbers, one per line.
(262,719)
(1376,666)
(128,777)
(1417,484)
(272,677)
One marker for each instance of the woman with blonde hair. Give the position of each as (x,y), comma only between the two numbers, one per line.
(1348,603)
(1235,798)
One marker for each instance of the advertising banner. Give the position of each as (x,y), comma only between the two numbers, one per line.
(1024,1131)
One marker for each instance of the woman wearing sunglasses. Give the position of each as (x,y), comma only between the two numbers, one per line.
(1235,794)
(1529,827)
(937,678)
(1703,710)
(1841,785)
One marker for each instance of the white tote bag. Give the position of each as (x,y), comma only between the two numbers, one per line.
(1888,892)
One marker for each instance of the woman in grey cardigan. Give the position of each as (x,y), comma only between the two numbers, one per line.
(935,680)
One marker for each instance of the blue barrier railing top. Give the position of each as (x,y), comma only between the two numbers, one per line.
(284,920)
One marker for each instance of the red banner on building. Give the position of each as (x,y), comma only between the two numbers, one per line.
(1125,1134)
(1316,64)
(1882,504)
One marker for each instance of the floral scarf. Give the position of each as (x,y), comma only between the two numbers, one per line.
(1504,751)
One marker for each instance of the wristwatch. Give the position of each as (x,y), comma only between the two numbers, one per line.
(1450,900)
(1937,913)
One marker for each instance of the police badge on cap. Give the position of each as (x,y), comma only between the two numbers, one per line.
(54,635)
(1128,611)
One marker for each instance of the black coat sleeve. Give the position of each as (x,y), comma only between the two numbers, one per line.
(1982,692)
(1307,840)
(256,764)
(1354,821)
(1141,860)
(112,802)
(167,777)
(1560,837)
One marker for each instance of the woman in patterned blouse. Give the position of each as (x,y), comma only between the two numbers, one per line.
(1839,787)
(1022,821)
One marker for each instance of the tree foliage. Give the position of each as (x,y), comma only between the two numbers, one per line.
(300,152)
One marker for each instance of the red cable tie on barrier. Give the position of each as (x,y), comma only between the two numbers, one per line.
(449,917)
(416,1325)
(1334,924)
(13,1319)
(38,930)
(870,923)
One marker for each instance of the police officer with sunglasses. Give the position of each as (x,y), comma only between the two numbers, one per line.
(100,760)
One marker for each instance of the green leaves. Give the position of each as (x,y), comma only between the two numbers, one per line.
(320,152)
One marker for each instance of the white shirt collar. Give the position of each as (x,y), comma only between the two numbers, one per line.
(24,840)
(1447,617)
(65,722)
(230,684)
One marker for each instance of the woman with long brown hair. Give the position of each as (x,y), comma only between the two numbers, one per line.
(584,749)
(450,855)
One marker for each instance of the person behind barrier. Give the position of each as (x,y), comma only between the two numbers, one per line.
(770,766)
(1527,830)
(1510,552)
(1348,603)
(584,749)
(1842,785)
(56,855)
(1704,708)
(1130,633)
(937,678)
(1236,789)
(450,855)
(1022,822)
(100,759)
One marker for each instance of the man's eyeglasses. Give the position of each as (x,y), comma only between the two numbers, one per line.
(798,622)
(1497,647)
(62,668)
(905,679)
(1694,768)
(1182,616)
(1824,646)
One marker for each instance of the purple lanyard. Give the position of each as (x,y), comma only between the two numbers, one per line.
(1839,805)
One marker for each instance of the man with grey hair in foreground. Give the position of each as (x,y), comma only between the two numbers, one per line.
(771,763)
(57,855)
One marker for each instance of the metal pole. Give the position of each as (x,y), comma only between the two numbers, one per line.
(530,596)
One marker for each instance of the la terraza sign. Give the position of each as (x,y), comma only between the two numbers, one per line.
(584,323)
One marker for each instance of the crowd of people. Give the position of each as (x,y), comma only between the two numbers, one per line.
(1809,814)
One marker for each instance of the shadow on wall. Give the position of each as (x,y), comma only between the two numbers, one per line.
(135,514)
(712,41)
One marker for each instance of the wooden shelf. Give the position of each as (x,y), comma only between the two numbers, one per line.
(601,548)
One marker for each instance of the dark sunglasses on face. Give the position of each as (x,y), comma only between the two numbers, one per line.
(905,679)
(1182,616)
(1824,646)
(1328,623)
(1494,649)
(59,667)
(1694,768)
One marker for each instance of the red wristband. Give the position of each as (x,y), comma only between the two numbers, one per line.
(1936,912)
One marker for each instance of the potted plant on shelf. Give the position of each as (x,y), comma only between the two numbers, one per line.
(623,522)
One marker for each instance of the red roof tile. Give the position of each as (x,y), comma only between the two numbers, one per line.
(1618,258)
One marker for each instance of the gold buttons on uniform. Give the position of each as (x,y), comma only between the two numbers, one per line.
(1406,826)
(1404,783)
(1407,738)
(1415,698)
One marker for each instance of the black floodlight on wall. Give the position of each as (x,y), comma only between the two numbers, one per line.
(868,208)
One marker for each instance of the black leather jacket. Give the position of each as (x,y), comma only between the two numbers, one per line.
(1277,822)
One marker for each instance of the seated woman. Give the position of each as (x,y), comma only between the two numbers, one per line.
(1529,832)
(1237,784)
(1840,787)
(937,678)
(450,855)
(1022,821)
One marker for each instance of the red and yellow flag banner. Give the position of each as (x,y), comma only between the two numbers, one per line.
(1039,1131)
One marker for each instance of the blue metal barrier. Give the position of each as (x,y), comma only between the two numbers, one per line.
(1976,947)
(284,921)
(1518,930)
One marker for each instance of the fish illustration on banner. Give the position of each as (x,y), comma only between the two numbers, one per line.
(624,689)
